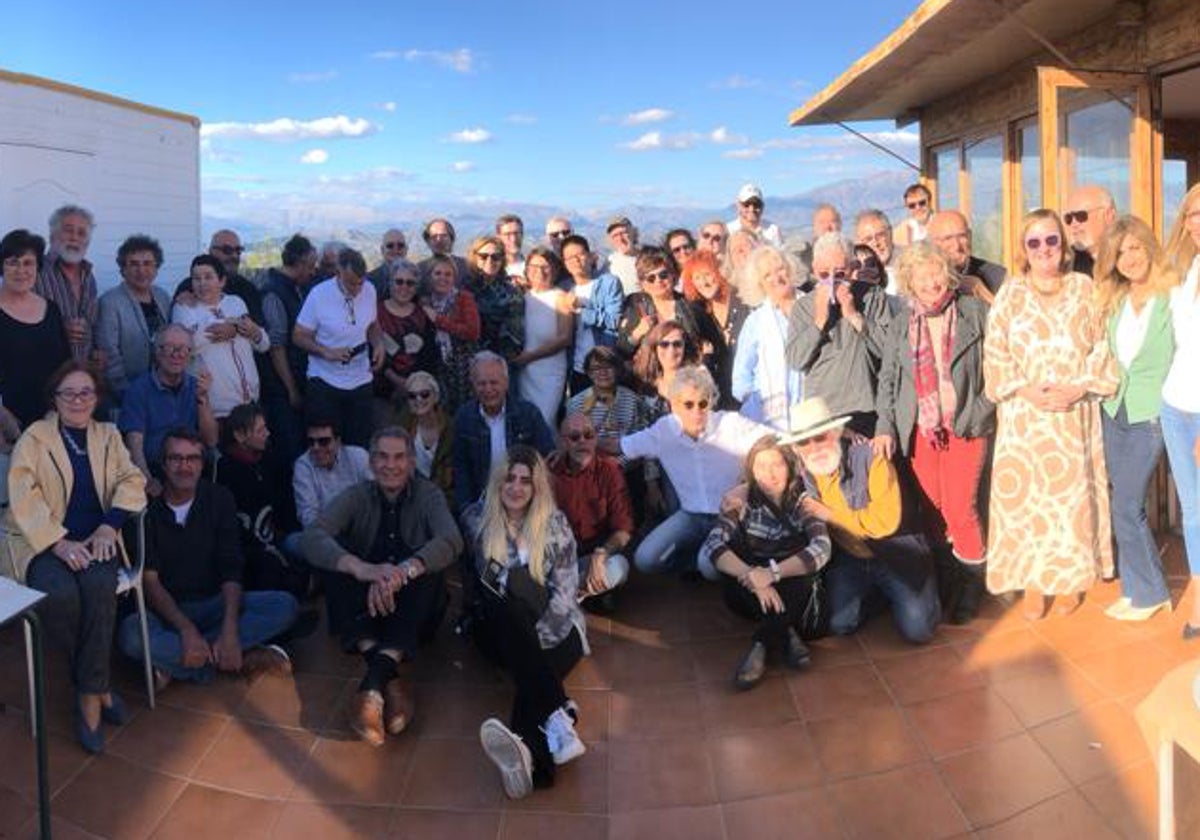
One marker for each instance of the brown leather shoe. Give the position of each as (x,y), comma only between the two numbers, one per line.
(266,659)
(398,705)
(366,717)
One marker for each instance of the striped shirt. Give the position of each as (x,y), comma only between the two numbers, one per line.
(52,284)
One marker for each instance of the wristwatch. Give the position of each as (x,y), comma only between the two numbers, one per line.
(775,575)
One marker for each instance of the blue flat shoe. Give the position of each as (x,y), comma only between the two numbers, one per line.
(92,740)
(1190,632)
(117,713)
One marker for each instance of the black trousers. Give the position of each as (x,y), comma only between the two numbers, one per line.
(79,613)
(800,595)
(352,409)
(506,634)
(419,608)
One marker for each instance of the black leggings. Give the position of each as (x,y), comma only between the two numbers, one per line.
(798,595)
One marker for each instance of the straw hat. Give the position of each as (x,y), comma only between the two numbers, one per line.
(811,418)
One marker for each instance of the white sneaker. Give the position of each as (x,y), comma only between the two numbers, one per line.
(561,737)
(509,753)
(1133,613)
(1118,607)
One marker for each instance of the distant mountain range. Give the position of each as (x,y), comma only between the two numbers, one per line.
(883,190)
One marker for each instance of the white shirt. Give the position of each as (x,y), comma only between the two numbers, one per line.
(585,338)
(339,321)
(496,432)
(1131,330)
(423,454)
(701,470)
(1182,387)
(625,267)
(231,363)
(768,232)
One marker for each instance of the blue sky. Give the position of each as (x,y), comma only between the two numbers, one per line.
(355,106)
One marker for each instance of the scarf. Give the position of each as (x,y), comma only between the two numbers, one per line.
(932,385)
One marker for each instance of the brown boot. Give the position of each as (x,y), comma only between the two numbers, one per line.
(266,659)
(366,717)
(398,705)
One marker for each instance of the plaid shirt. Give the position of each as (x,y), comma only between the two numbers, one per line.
(53,285)
(758,533)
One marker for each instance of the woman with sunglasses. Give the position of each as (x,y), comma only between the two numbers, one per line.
(72,485)
(429,426)
(500,301)
(680,245)
(720,314)
(1046,366)
(666,349)
(919,202)
(549,325)
(657,301)
(409,339)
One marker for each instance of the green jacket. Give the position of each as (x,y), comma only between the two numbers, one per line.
(1141,384)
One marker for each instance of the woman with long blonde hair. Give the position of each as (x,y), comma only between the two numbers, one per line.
(527,618)
(1133,285)
(1181,391)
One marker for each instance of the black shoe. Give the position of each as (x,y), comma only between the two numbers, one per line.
(602,604)
(750,672)
(971,593)
(795,652)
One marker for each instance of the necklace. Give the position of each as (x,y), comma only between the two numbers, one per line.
(79,451)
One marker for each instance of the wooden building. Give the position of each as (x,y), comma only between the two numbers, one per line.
(1019,101)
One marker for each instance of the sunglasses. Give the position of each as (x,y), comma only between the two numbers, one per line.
(754,202)
(229,250)
(392,246)
(1073,216)
(660,276)
(684,248)
(559,234)
(671,344)
(920,202)
(838,274)
(420,395)
(1034,243)
(575,437)
(406,282)
(321,441)
(692,405)
(490,256)
(716,236)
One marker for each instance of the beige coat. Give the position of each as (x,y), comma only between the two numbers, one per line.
(40,481)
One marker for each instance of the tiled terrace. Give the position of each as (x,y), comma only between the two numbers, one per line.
(999,729)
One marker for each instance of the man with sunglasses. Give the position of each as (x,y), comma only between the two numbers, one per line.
(750,217)
(226,247)
(393,248)
(713,236)
(622,260)
(918,200)
(590,490)
(325,469)
(1090,212)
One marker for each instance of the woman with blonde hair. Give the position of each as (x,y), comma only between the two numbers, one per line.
(1181,391)
(1133,286)
(528,619)
(432,436)
(1046,365)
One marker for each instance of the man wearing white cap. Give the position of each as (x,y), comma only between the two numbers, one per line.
(875,560)
(750,217)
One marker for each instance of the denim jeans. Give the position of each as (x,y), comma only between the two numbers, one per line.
(616,571)
(860,588)
(1131,451)
(264,615)
(675,545)
(1180,430)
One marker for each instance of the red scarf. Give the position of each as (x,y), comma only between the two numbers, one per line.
(929,384)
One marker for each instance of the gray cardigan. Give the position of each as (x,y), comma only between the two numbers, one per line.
(349,524)
(974,416)
(122,333)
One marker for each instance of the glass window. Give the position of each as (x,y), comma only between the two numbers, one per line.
(1030,155)
(1175,186)
(985,171)
(945,165)
(1095,138)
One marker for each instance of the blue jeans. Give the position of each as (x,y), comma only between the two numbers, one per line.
(1132,451)
(861,588)
(1180,430)
(675,545)
(264,615)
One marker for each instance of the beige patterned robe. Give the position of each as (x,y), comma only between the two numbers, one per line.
(1049,526)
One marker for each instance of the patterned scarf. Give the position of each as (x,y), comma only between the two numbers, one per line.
(932,387)
(442,304)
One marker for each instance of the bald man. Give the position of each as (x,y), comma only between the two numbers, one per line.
(1089,212)
(949,232)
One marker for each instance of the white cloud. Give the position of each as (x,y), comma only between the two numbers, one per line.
(470,135)
(722,136)
(310,78)
(286,128)
(742,154)
(390,107)
(462,166)
(736,82)
(647,115)
(315,156)
(656,140)
(374,177)
(521,119)
(461,60)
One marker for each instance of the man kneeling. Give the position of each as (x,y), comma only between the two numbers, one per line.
(383,544)
(201,620)
(874,562)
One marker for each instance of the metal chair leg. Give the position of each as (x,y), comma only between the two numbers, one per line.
(33,711)
(147,665)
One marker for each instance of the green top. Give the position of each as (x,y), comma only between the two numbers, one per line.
(1141,383)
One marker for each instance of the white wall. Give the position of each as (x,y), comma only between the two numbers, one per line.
(137,172)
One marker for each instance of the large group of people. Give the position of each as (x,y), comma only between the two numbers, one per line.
(828,431)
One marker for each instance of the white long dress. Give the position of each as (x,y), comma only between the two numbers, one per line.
(543,382)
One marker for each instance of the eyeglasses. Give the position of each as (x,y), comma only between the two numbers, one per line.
(490,256)
(392,246)
(692,405)
(320,441)
(1034,243)
(919,203)
(82,395)
(229,250)
(406,281)
(420,395)
(836,274)
(559,234)
(587,434)
(27,263)
(180,460)
(880,235)
(175,349)
(538,266)
(660,276)
(671,344)
(1081,216)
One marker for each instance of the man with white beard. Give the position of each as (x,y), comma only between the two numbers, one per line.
(857,495)
(68,280)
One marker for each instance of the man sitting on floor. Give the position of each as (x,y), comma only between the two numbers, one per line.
(383,544)
(201,620)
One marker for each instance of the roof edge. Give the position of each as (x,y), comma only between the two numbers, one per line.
(95,95)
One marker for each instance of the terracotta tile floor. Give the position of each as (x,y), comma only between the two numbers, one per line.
(999,729)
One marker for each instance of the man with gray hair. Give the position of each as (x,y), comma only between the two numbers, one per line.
(1090,211)
(226,247)
(487,425)
(836,334)
(67,278)
(393,248)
